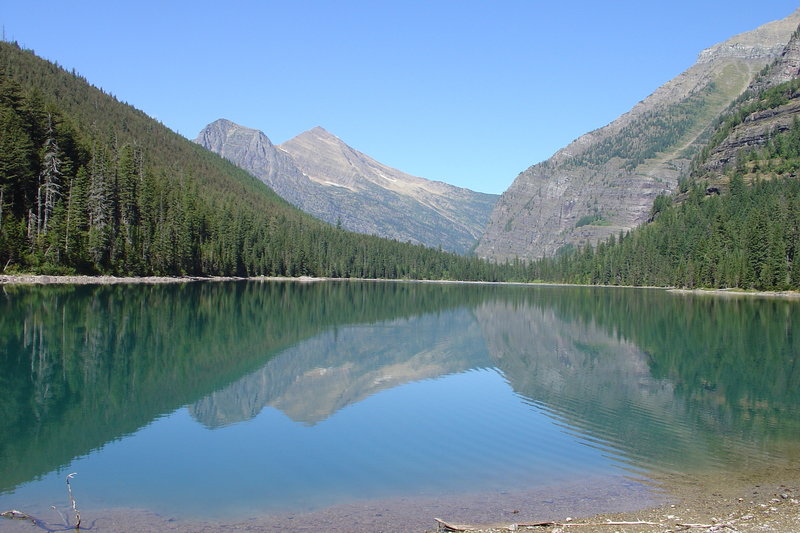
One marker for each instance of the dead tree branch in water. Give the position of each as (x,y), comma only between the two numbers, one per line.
(72,501)
(13,514)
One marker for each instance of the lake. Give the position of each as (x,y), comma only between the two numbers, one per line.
(243,400)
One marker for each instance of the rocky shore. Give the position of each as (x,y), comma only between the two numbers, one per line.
(35,279)
(759,508)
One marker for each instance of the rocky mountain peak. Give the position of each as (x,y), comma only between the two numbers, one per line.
(320,174)
(605,182)
(318,135)
(765,42)
(223,135)
(322,133)
(252,150)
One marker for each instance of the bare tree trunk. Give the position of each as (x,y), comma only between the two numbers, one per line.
(39,211)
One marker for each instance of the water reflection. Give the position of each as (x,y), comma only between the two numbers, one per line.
(729,368)
(674,383)
(317,377)
(85,365)
(650,380)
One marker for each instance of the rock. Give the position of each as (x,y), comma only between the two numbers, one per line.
(752,133)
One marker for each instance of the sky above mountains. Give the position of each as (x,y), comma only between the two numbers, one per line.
(466,92)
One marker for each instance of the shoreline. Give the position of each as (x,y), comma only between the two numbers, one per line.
(727,503)
(43,279)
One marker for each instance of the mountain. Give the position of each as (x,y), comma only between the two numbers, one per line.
(735,222)
(92,185)
(253,151)
(317,172)
(605,181)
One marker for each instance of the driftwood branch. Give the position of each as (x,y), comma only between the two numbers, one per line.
(63,518)
(445,526)
(13,514)
(72,501)
(714,527)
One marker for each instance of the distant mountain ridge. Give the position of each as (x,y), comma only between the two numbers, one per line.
(320,174)
(605,181)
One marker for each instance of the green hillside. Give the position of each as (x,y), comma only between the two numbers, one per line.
(92,185)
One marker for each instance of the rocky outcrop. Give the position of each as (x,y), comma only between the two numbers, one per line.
(320,174)
(785,68)
(752,133)
(605,181)
(755,130)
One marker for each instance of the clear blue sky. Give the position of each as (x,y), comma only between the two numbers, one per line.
(466,92)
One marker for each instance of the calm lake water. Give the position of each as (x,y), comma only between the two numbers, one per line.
(245,398)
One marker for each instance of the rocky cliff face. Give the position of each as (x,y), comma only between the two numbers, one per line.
(752,133)
(317,172)
(785,68)
(605,181)
(756,128)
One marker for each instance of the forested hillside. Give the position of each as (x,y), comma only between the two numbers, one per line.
(91,185)
(735,222)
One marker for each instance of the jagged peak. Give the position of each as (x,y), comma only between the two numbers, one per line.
(223,127)
(750,44)
(222,123)
(318,132)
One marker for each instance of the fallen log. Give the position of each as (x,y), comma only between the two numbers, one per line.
(446,526)
(13,514)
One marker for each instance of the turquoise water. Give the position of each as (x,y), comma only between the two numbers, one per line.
(220,399)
